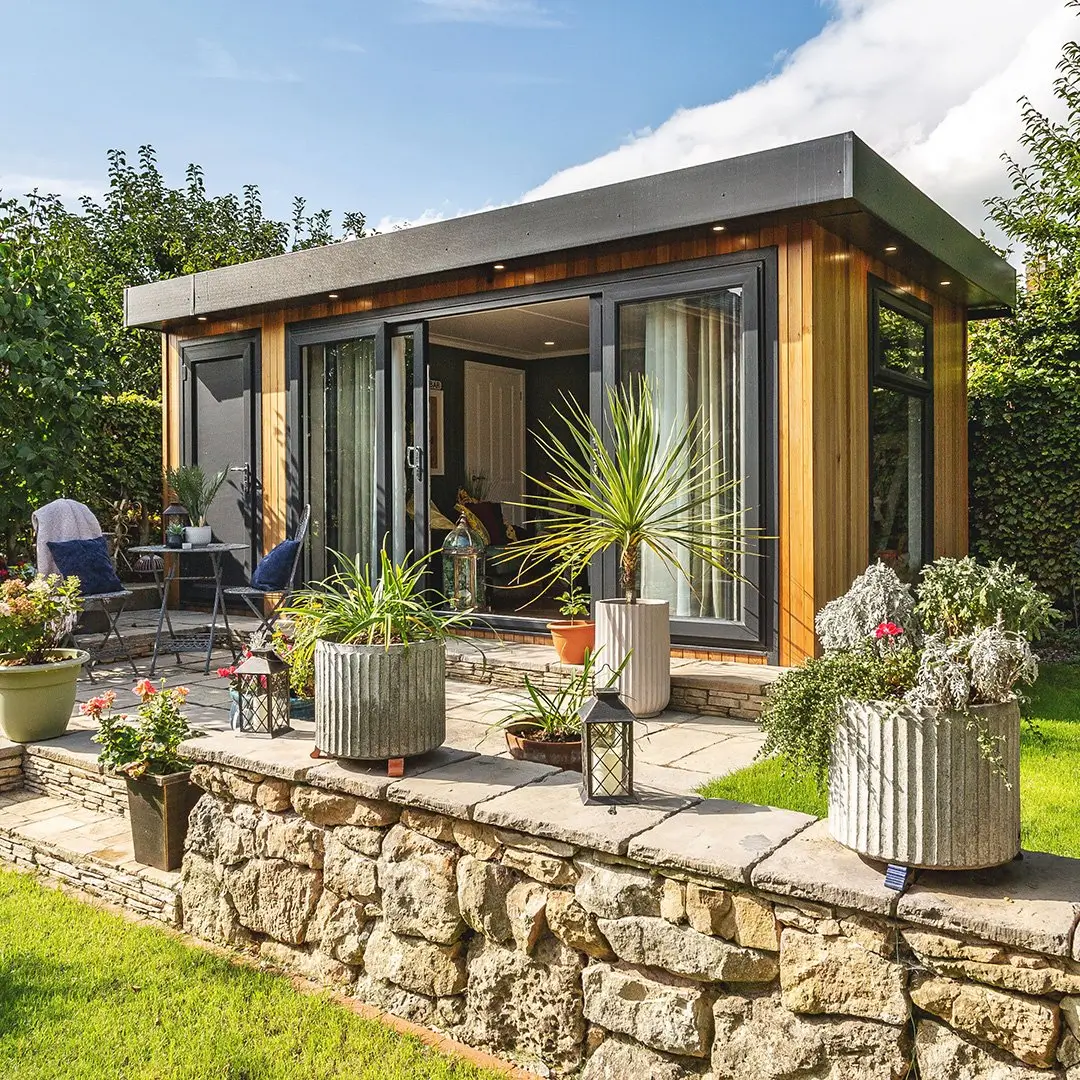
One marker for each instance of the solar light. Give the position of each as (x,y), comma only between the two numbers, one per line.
(607,749)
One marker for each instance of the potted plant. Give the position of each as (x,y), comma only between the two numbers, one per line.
(300,656)
(643,488)
(575,635)
(146,754)
(174,536)
(196,490)
(547,727)
(37,677)
(912,715)
(380,659)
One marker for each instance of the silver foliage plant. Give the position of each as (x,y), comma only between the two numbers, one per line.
(876,596)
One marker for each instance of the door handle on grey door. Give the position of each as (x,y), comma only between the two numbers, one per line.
(245,482)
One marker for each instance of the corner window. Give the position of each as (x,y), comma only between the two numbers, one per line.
(901,430)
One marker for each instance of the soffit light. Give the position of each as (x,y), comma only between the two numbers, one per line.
(719,228)
(332,296)
(891,249)
(549,342)
(945,283)
(499,266)
(201,318)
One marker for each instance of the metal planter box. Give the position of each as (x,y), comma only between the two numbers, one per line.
(158,809)
(373,703)
(915,787)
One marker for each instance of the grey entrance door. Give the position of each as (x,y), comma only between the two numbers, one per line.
(221,381)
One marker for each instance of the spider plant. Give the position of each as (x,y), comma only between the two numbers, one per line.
(348,609)
(195,489)
(646,489)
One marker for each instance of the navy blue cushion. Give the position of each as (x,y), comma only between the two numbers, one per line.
(272,573)
(89,561)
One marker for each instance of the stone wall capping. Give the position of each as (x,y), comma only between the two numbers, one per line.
(287,757)
(368,779)
(74,748)
(813,866)
(552,807)
(717,837)
(1032,903)
(456,789)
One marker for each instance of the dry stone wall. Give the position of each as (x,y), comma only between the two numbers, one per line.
(621,957)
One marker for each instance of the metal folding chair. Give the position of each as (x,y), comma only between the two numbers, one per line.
(112,604)
(255,598)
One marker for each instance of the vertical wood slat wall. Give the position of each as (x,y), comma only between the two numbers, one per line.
(823,388)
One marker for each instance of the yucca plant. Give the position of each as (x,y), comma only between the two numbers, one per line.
(649,489)
(195,489)
(348,609)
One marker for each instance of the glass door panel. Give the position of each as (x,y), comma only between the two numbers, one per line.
(340,437)
(408,452)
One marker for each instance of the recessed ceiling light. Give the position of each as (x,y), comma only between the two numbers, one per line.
(945,283)
(499,266)
(719,228)
(332,295)
(549,342)
(202,318)
(891,249)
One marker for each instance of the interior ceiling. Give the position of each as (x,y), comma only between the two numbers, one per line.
(519,332)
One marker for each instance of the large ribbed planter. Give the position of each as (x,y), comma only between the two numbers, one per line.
(36,700)
(374,703)
(915,788)
(642,632)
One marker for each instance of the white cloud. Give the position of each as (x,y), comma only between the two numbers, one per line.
(930,84)
(528,14)
(216,62)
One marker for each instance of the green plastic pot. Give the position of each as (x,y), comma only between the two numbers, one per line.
(36,700)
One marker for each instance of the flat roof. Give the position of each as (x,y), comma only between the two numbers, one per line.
(838,180)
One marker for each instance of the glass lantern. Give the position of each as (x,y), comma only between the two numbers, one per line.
(607,749)
(262,683)
(464,573)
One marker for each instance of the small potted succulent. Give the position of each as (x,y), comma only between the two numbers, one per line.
(196,490)
(911,712)
(174,535)
(145,753)
(37,677)
(575,634)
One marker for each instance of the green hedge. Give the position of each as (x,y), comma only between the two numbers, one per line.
(1025,470)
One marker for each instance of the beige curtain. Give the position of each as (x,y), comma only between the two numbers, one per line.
(693,362)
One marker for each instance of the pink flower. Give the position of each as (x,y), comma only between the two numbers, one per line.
(145,689)
(888,630)
(226,672)
(96,706)
(181,692)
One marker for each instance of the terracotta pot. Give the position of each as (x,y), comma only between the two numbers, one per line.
(573,639)
(563,755)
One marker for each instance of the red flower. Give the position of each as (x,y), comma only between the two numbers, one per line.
(145,689)
(226,672)
(888,630)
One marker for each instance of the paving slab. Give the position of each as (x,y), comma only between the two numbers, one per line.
(668,780)
(287,757)
(457,789)
(1032,902)
(663,743)
(479,738)
(813,866)
(718,837)
(74,747)
(368,779)
(722,757)
(552,808)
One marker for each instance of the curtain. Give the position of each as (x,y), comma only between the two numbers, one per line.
(692,359)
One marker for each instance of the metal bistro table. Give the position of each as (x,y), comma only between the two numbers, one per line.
(163,578)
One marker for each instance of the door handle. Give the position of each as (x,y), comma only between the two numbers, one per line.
(245,483)
(414,459)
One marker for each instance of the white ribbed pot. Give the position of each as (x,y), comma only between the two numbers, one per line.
(374,703)
(914,787)
(198,535)
(640,632)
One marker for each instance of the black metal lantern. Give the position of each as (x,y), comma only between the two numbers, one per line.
(262,683)
(464,579)
(607,749)
(174,517)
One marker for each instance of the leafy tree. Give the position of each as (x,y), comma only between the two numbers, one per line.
(1024,382)
(144,231)
(48,346)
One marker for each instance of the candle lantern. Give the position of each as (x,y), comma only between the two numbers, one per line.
(607,749)
(464,578)
(262,683)
(173,520)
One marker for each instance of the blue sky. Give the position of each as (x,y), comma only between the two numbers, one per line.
(409,110)
(392,107)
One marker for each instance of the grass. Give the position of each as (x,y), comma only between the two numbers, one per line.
(1049,770)
(86,995)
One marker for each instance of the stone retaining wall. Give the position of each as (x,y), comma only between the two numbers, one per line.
(674,939)
(85,786)
(11,774)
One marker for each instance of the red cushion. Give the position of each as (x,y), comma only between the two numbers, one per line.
(490,514)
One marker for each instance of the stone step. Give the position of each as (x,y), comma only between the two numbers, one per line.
(88,850)
(710,687)
(67,768)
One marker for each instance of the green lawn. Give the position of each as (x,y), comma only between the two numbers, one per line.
(85,995)
(1049,770)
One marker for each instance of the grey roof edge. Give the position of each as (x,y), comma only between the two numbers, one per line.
(817,173)
(887,194)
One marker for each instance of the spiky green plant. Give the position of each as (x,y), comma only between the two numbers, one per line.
(645,489)
(348,609)
(195,489)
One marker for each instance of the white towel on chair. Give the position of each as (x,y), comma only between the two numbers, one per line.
(64,519)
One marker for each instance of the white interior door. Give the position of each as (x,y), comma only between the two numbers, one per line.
(495,432)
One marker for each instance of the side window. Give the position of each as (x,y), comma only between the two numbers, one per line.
(901,430)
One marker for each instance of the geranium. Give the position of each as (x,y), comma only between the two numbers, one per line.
(888,630)
(145,689)
(150,744)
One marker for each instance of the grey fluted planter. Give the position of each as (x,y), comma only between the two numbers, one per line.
(914,787)
(642,632)
(374,703)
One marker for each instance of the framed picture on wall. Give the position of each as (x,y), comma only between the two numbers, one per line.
(435,431)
